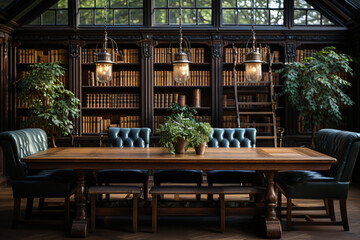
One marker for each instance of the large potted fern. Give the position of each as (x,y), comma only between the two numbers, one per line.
(52,107)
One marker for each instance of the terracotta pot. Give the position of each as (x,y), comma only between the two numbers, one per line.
(200,150)
(180,145)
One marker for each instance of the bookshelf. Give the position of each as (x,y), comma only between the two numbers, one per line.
(28,54)
(113,104)
(197,92)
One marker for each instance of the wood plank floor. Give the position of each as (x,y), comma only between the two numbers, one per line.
(180,227)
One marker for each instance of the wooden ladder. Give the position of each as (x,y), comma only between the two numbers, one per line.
(256,109)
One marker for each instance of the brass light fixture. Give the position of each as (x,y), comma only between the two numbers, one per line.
(104,60)
(181,68)
(253,72)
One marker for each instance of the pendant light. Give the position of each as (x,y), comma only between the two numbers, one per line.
(253,71)
(104,60)
(181,68)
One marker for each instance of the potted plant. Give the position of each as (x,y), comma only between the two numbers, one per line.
(175,133)
(201,137)
(316,88)
(51,105)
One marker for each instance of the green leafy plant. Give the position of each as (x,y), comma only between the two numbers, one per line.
(187,111)
(201,134)
(177,126)
(314,87)
(51,105)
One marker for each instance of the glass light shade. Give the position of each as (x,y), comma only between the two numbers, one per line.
(103,72)
(181,72)
(253,71)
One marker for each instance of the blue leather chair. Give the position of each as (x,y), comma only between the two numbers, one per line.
(126,137)
(232,137)
(328,186)
(26,184)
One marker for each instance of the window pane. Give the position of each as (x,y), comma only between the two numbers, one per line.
(204,16)
(118,3)
(160,16)
(86,17)
(228,16)
(62,17)
(173,3)
(300,17)
(61,4)
(160,3)
(244,3)
(101,4)
(136,16)
(260,3)
(173,16)
(203,3)
(228,3)
(36,21)
(135,3)
(261,17)
(326,21)
(100,16)
(87,3)
(276,3)
(189,16)
(302,4)
(313,17)
(121,16)
(188,3)
(276,17)
(49,18)
(244,16)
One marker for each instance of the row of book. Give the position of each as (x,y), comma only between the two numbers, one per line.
(229,101)
(40,56)
(301,54)
(121,78)
(164,100)
(197,78)
(157,120)
(23,122)
(241,55)
(228,79)
(166,55)
(128,100)
(96,124)
(124,55)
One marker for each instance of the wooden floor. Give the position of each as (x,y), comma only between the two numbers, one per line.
(181,227)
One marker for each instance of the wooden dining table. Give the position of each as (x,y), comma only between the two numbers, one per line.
(266,160)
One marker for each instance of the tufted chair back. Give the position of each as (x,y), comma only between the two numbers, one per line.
(342,145)
(18,144)
(232,137)
(129,137)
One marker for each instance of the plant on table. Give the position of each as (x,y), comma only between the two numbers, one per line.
(52,107)
(201,136)
(316,89)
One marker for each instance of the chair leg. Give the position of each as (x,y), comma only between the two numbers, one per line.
(107,195)
(16,212)
(278,212)
(154,212)
(344,217)
(135,212)
(331,210)
(210,196)
(288,214)
(222,212)
(67,213)
(100,196)
(41,203)
(29,207)
(198,196)
(92,212)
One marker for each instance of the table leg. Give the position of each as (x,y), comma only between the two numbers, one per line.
(272,223)
(79,226)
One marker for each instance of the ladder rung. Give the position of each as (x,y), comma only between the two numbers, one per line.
(254,84)
(265,137)
(255,113)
